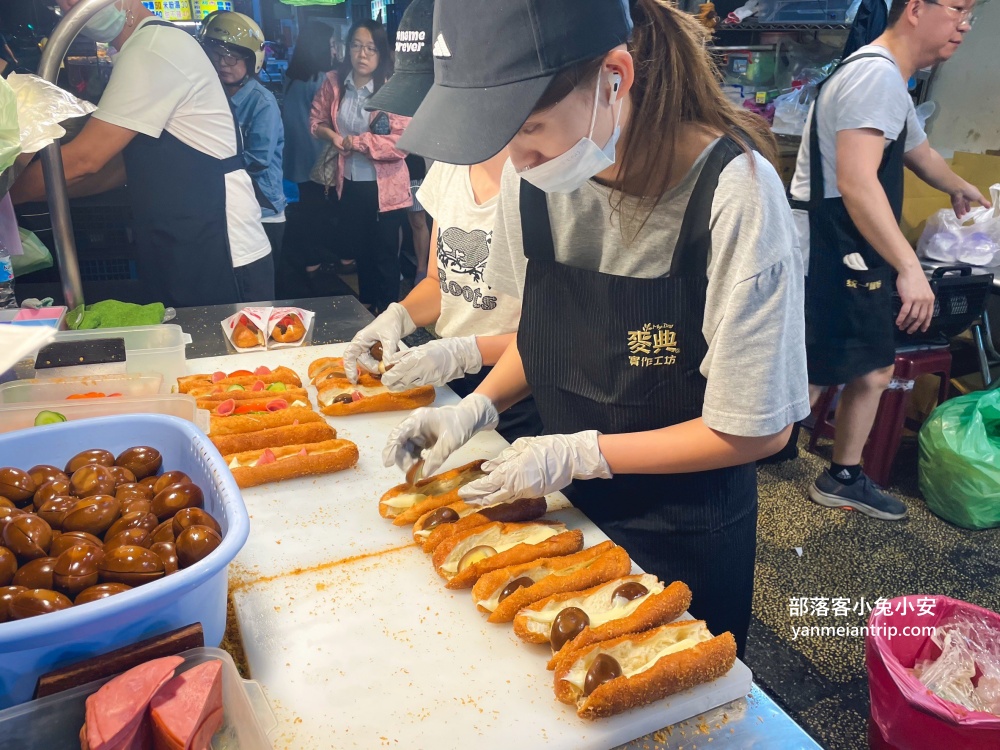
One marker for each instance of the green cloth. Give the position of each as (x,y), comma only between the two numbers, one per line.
(114,314)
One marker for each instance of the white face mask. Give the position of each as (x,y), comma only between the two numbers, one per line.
(571,169)
(106,25)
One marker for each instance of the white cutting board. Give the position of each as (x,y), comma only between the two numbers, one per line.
(363,647)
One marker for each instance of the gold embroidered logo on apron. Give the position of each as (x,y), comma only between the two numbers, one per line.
(654,345)
(871,286)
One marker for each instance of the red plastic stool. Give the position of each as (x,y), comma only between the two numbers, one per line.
(887,432)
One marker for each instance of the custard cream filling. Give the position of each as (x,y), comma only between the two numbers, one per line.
(601,606)
(536,574)
(534,534)
(636,659)
(407,500)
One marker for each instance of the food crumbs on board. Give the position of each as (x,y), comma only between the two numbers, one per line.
(662,735)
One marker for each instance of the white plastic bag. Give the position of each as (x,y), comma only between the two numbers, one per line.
(973,239)
(791,111)
(41,106)
(10,142)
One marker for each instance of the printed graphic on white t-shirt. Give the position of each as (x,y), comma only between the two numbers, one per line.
(465,236)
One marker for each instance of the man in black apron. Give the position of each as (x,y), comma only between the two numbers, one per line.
(862,131)
(188,231)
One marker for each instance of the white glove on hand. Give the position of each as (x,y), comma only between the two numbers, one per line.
(536,466)
(441,431)
(434,363)
(388,328)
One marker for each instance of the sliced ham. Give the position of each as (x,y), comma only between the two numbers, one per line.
(187,711)
(116,712)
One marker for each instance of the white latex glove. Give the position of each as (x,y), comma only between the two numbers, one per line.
(389,328)
(435,363)
(439,432)
(536,466)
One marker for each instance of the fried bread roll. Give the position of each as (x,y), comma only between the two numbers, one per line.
(290,462)
(282,375)
(325,363)
(612,676)
(405,503)
(237,423)
(338,397)
(463,558)
(232,407)
(503,593)
(614,608)
(215,395)
(467,517)
(275,437)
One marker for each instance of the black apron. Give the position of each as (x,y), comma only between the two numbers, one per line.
(520,420)
(850,326)
(619,354)
(178,199)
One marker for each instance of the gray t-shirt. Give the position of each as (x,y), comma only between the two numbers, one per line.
(753,320)
(868,93)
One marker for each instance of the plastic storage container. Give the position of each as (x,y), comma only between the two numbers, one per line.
(59,389)
(147,349)
(807,11)
(22,416)
(30,648)
(54,722)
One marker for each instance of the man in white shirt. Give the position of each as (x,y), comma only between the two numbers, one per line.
(164,125)
(849,177)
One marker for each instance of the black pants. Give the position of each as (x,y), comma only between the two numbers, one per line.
(275,231)
(256,280)
(520,420)
(311,226)
(373,239)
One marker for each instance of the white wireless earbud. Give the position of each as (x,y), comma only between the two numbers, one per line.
(616,82)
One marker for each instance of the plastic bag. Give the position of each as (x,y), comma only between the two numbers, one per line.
(10,132)
(41,106)
(969,646)
(959,464)
(974,239)
(36,256)
(905,715)
(791,111)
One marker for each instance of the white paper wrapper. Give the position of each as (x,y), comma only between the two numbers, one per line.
(266,319)
(256,315)
(277,315)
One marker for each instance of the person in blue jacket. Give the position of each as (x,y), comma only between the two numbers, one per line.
(235,45)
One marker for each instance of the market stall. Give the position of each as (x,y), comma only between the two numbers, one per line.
(352,637)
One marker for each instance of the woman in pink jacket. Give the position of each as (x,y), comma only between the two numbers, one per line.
(373,183)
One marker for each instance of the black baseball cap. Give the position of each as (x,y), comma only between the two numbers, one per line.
(414,72)
(493,60)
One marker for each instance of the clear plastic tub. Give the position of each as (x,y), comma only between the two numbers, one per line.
(54,722)
(30,648)
(22,416)
(147,349)
(59,389)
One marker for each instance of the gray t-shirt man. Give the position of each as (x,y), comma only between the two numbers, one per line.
(868,93)
(753,321)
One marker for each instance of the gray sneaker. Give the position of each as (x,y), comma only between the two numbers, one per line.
(864,495)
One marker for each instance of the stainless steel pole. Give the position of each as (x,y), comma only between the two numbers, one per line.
(52,165)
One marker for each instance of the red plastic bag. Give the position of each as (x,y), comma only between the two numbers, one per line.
(905,715)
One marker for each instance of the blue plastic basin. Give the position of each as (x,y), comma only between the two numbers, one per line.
(30,648)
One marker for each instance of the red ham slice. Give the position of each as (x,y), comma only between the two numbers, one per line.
(187,711)
(115,713)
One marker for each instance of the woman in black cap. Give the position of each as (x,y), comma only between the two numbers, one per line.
(649,238)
